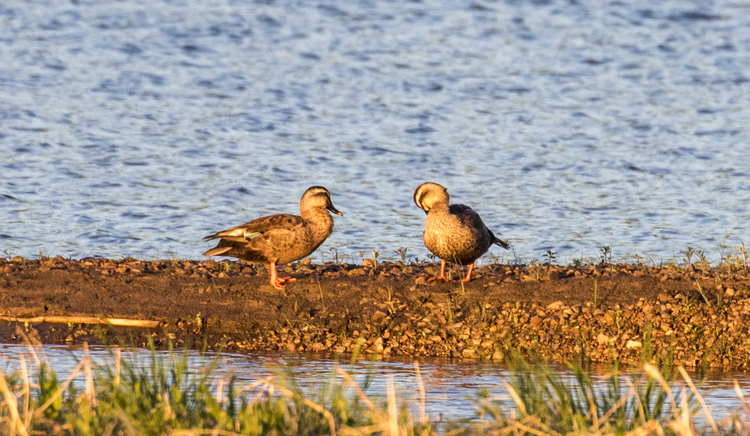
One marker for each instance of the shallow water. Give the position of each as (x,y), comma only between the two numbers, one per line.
(135,128)
(449,386)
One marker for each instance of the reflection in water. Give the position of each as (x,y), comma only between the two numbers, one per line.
(449,385)
(136,128)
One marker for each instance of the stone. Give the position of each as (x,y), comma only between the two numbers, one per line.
(633,345)
(602,339)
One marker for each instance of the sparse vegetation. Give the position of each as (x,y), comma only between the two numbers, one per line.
(169,395)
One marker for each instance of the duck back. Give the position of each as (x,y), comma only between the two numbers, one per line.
(457,234)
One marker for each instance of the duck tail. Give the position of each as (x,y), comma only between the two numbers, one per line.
(500,242)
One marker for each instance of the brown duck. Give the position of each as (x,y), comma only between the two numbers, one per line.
(280,238)
(453,232)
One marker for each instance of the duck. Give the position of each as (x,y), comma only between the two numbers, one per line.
(453,232)
(281,238)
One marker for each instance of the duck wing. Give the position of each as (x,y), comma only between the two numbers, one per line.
(257,227)
(468,217)
(258,240)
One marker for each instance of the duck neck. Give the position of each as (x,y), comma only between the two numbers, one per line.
(440,207)
(320,218)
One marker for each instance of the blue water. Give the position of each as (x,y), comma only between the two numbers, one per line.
(451,387)
(134,128)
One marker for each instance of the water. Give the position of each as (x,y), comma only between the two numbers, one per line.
(449,386)
(135,128)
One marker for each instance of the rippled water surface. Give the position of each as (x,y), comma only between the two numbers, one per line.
(450,387)
(135,128)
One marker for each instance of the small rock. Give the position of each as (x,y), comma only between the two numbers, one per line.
(469,353)
(535,321)
(420,281)
(556,305)
(497,355)
(729,292)
(602,339)
(435,338)
(633,345)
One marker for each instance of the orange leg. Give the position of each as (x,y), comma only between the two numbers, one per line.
(468,273)
(276,281)
(442,273)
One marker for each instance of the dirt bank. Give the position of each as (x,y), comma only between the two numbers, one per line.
(587,312)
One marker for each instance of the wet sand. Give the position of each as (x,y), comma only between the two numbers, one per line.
(697,316)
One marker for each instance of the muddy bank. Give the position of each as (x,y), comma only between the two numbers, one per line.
(588,313)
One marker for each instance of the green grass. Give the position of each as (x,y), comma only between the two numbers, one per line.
(167,396)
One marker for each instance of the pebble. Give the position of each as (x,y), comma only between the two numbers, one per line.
(557,331)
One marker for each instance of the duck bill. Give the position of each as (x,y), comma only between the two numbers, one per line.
(330,207)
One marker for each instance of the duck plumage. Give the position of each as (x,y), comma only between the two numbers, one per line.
(453,232)
(280,238)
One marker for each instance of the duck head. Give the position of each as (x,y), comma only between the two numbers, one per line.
(427,194)
(317,196)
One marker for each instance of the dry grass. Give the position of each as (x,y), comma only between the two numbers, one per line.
(166,396)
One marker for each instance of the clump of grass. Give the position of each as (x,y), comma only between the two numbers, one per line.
(170,395)
(549,257)
(644,404)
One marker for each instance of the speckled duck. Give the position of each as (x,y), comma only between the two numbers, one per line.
(280,238)
(453,232)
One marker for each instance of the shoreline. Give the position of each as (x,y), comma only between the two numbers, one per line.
(588,313)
